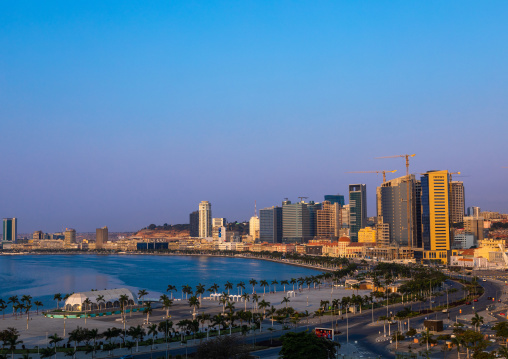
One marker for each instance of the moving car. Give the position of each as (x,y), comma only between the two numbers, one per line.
(468,303)
(475,300)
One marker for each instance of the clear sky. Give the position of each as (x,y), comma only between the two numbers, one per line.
(126,113)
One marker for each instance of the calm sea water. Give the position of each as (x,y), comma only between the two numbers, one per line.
(41,276)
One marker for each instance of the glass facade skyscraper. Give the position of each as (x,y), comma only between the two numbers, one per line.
(357,209)
(10,229)
(270,225)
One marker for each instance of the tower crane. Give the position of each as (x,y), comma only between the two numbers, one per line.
(453,173)
(302,198)
(376,172)
(409,237)
(403,156)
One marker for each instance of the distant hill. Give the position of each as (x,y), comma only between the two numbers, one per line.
(164,231)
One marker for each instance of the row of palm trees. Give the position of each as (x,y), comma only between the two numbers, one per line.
(21,305)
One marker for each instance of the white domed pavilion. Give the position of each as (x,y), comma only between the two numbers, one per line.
(101,299)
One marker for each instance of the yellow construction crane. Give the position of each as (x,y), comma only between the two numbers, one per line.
(376,172)
(453,173)
(403,156)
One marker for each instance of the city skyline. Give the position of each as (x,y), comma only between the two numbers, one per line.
(125,114)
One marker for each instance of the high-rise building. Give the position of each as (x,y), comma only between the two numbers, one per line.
(473,211)
(38,235)
(392,209)
(435,216)
(101,237)
(205,219)
(10,229)
(254,227)
(329,220)
(457,201)
(270,225)
(295,222)
(313,208)
(335,198)
(474,225)
(70,237)
(345,216)
(219,222)
(194,224)
(357,209)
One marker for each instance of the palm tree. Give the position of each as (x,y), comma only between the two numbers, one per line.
(148,310)
(11,339)
(200,289)
(203,317)
(94,335)
(142,293)
(255,299)
(54,339)
(58,298)
(27,299)
(246,298)
(228,286)
(3,306)
(271,313)
(215,287)
(263,305)
(194,303)
(230,306)
(27,312)
(293,281)
(427,337)
(86,302)
(284,283)
(274,282)
(14,301)
(166,303)
(224,298)
(457,341)
(241,287)
(264,284)
(123,299)
(152,330)
(137,334)
(110,333)
(186,289)
(37,304)
(285,300)
(170,289)
(476,321)
(253,283)
(100,299)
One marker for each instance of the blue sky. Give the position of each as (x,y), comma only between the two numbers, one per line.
(123,113)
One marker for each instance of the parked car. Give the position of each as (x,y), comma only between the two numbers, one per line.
(502,314)
(468,303)
(475,300)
